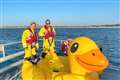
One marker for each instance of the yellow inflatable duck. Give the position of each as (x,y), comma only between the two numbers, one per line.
(84,62)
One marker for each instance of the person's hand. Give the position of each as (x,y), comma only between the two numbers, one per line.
(35,59)
(37,45)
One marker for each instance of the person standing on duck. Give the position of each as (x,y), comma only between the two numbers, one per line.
(47,33)
(30,43)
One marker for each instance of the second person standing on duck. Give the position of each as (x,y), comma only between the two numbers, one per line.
(47,33)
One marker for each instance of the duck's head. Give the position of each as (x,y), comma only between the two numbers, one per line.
(83,53)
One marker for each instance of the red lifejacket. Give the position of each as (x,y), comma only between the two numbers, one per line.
(64,46)
(32,38)
(49,34)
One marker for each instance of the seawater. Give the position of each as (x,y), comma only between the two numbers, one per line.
(106,38)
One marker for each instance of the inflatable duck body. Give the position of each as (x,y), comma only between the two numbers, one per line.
(84,62)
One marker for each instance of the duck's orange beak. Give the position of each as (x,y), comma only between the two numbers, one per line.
(93,60)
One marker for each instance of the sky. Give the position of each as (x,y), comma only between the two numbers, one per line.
(60,12)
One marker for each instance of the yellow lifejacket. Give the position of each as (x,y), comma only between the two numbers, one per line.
(48,40)
(29,42)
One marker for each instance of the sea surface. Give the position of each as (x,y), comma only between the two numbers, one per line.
(106,38)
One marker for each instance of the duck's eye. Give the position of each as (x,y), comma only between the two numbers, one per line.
(101,49)
(74,47)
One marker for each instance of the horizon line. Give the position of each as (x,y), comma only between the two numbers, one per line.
(116,24)
(68,26)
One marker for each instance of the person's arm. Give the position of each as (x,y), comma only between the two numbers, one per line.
(37,45)
(24,36)
(42,32)
(54,31)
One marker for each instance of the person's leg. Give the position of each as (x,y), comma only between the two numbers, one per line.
(52,47)
(33,51)
(27,70)
(45,45)
(27,66)
(28,52)
(45,48)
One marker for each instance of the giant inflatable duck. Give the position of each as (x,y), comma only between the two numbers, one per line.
(84,62)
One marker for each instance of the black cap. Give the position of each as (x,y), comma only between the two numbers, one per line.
(47,21)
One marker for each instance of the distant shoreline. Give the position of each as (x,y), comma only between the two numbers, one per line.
(88,26)
(60,27)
